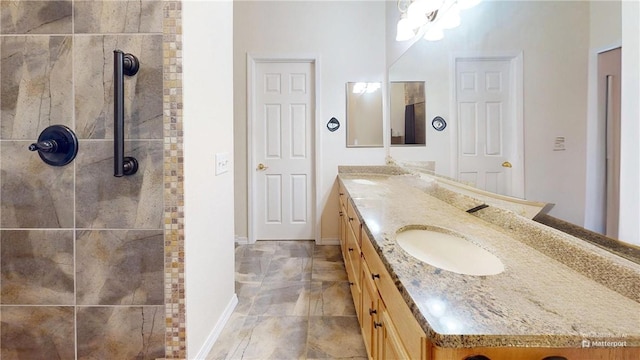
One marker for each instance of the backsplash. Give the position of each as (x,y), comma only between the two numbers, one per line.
(82,253)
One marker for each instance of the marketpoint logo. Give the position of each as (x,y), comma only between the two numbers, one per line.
(587,343)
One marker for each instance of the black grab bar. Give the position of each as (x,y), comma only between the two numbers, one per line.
(123,64)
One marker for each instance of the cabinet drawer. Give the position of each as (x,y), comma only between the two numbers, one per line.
(410,333)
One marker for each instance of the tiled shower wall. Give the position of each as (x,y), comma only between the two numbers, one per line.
(82,253)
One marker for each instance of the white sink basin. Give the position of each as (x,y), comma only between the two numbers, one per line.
(447,251)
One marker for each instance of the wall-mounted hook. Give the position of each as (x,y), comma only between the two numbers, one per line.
(57,145)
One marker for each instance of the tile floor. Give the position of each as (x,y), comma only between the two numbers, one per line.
(294,303)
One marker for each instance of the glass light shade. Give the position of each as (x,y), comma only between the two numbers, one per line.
(434,33)
(404,30)
(419,9)
(450,19)
(466,4)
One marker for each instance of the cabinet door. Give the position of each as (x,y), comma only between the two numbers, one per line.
(352,264)
(412,335)
(389,345)
(343,231)
(369,311)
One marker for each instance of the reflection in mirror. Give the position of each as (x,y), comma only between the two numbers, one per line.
(364,114)
(408,118)
(559,42)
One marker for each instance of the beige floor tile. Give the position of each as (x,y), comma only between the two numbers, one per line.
(267,337)
(323,270)
(331,298)
(294,249)
(289,269)
(282,299)
(294,302)
(334,337)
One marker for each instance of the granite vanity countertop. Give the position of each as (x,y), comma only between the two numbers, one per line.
(536,302)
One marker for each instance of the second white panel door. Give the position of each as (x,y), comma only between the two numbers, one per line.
(486,124)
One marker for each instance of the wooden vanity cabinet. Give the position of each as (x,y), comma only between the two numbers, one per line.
(379,305)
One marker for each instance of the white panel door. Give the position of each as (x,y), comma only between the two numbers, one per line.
(283,151)
(486,124)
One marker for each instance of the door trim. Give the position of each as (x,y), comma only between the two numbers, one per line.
(516,60)
(252,61)
(594,213)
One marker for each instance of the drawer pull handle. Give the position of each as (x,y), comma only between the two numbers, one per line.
(350,283)
(377,325)
(374,276)
(341,194)
(350,249)
(350,219)
(341,213)
(372,311)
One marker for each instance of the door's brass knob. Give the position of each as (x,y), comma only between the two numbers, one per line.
(506,164)
(262,167)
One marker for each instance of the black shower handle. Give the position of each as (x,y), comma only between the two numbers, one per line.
(123,64)
(48,146)
(57,145)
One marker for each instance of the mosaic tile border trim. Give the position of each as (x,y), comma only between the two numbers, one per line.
(175,336)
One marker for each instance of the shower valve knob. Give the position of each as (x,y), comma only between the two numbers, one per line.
(48,146)
(57,145)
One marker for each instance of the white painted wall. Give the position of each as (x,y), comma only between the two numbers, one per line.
(348,37)
(208,129)
(555,90)
(629,226)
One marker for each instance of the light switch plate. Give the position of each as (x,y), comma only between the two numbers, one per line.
(223,163)
(559,144)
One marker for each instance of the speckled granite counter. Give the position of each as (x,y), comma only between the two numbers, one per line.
(556,291)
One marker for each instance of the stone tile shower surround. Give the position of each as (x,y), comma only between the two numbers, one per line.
(82,253)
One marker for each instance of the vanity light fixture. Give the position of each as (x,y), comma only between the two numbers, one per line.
(429,18)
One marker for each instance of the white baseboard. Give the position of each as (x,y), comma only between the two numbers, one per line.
(329,241)
(242,240)
(217,330)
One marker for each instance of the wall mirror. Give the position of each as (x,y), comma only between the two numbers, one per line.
(558,43)
(364,114)
(407,113)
